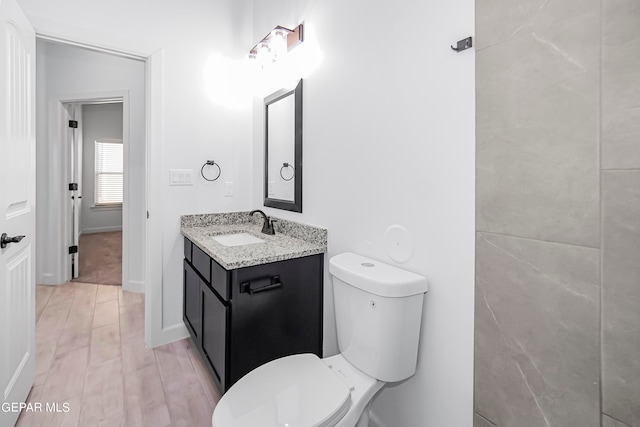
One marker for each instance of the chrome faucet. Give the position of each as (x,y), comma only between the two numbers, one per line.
(267,227)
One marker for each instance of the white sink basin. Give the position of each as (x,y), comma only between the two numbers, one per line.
(237,239)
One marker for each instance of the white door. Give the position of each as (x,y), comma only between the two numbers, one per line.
(17,209)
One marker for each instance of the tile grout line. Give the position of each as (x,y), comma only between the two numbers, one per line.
(45,303)
(515,236)
(46,377)
(600,220)
(30,424)
(604,414)
(164,391)
(202,385)
(485,418)
(55,350)
(124,404)
(84,383)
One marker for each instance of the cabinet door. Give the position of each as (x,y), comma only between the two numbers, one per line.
(277,311)
(191,307)
(214,334)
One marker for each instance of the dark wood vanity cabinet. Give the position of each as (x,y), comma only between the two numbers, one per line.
(242,318)
(192,305)
(215,319)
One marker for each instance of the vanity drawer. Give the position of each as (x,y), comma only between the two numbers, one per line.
(202,263)
(220,280)
(187,249)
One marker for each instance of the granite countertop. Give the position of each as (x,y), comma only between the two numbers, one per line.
(292,239)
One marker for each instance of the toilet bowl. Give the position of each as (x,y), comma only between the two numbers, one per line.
(378,312)
(299,390)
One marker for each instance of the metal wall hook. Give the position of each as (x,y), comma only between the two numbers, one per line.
(210,163)
(463,44)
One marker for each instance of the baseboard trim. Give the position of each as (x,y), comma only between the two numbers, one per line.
(47,279)
(100,230)
(169,335)
(137,286)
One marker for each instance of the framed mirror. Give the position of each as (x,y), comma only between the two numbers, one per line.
(283,149)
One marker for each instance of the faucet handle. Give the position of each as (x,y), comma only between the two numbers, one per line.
(268,226)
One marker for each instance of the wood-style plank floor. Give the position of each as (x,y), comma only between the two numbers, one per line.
(91,356)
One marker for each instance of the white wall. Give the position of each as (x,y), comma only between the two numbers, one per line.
(64,73)
(389,139)
(196,121)
(99,121)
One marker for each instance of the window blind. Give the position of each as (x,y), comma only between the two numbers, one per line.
(108,170)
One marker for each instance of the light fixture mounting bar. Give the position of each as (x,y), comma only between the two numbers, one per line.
(295,37)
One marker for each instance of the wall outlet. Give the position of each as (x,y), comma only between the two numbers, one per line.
(181,177)
(270,191)
(228,189)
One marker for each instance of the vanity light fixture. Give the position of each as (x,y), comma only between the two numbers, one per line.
(276,44)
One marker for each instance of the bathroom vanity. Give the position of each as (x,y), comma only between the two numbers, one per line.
(250,298)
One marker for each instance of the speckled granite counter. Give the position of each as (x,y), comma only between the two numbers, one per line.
(292,239)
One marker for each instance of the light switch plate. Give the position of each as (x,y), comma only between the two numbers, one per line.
(181,177)
(228,189)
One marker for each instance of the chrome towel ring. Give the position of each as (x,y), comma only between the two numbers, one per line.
(210,163)
(286,166)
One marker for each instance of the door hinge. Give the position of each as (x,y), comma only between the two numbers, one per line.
(73,124)
(73,186)
(73,249)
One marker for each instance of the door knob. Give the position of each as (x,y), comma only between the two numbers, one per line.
(5,240)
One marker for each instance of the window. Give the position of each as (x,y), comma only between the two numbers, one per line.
(108,184)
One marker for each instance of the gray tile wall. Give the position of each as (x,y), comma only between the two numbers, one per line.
(558,213)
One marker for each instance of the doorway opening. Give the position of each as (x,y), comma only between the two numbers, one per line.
(93,116)
(68,69)
(97,172)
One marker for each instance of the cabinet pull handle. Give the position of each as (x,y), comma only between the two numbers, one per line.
(261,285)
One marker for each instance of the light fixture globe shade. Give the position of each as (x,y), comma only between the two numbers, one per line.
(278,43)
(264,55)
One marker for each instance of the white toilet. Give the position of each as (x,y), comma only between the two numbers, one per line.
(378,313)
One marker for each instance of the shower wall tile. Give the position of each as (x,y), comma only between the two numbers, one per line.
(479,421)
(621,84)
(610,422)
(537,112)
(498,21)
(621,295)
(537,333)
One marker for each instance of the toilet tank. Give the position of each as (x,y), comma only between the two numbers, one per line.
(378,314)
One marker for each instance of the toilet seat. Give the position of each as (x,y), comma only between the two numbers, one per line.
(293,391)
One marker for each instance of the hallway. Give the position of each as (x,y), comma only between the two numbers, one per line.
(100,258)
(91,356)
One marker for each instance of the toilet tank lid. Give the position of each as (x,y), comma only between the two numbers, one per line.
(376,277)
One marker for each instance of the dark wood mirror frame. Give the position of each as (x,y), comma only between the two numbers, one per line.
(296,204)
